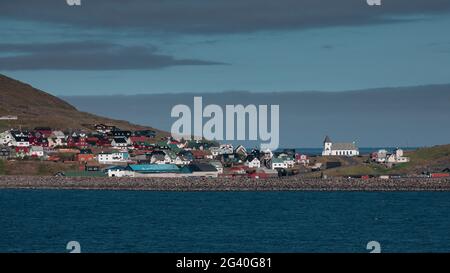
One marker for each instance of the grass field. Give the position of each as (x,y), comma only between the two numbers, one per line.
(433,159)
(35,167)
(2,167)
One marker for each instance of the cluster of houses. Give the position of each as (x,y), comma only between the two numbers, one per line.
(382,156)
(125,153)
(108,150)
(389,159)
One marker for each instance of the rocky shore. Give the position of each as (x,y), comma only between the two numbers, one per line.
(293,183)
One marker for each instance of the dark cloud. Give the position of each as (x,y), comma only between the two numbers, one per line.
(218,16)
(87,56)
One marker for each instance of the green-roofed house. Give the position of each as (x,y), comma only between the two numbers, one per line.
(278,163)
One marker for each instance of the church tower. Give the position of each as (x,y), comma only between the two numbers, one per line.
(327,146)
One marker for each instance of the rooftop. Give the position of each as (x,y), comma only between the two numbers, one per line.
(154,168)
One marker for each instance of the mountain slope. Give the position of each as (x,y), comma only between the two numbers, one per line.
(36,108)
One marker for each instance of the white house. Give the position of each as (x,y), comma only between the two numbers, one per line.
(9,117)
(217,164)
(113,158)
(121,142)
(267,154)
(224,149)
(37,151)
(19,140)
(56,142)
(57,139)
(5,138)
(119,171)
(255,163)
(240,150)
(58,134)
(172,158)
(383,156)
(339,149)
(278,163)
(290,162)
(397,157)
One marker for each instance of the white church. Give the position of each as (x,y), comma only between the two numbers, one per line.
(339,149)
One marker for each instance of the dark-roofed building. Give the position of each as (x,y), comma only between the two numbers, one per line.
(120,142)
(145,133)
(121,133)
(5,152)
(202,169)
(20,140)
(339,149)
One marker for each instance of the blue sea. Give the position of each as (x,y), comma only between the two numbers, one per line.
(139,221)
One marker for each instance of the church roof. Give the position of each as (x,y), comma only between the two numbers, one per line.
(343,146)
(327,139)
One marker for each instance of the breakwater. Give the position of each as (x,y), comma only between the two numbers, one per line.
(293,183)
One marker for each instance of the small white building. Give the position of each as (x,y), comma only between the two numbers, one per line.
(57,139)
(121,142)
(37,151)
(397,157)
(290,162)
(119,171)
(381,156)
(241,150)
(19,140)
(267,154)
(223,149)
(113,157)
(278,163)
(339,149)
(255,163)
(217,164)
(384,157)
(9,117)
(56,142)
(5,138)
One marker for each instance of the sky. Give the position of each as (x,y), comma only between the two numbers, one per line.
(175,46)
(386,117)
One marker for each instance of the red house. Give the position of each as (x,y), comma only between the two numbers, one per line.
(44,132)
(93,141)
(22,151)
(135,139)
(77,142)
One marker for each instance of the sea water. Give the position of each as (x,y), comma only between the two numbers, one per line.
(144,221)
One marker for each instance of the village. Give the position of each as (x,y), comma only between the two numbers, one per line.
(111,152)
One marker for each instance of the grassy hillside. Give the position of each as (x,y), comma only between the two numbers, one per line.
(432,159)
(37,108)
(36,167)
(2,167)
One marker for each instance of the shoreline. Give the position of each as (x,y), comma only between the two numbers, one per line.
(224,184)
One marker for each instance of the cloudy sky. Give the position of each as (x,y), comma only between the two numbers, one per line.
(109,47)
